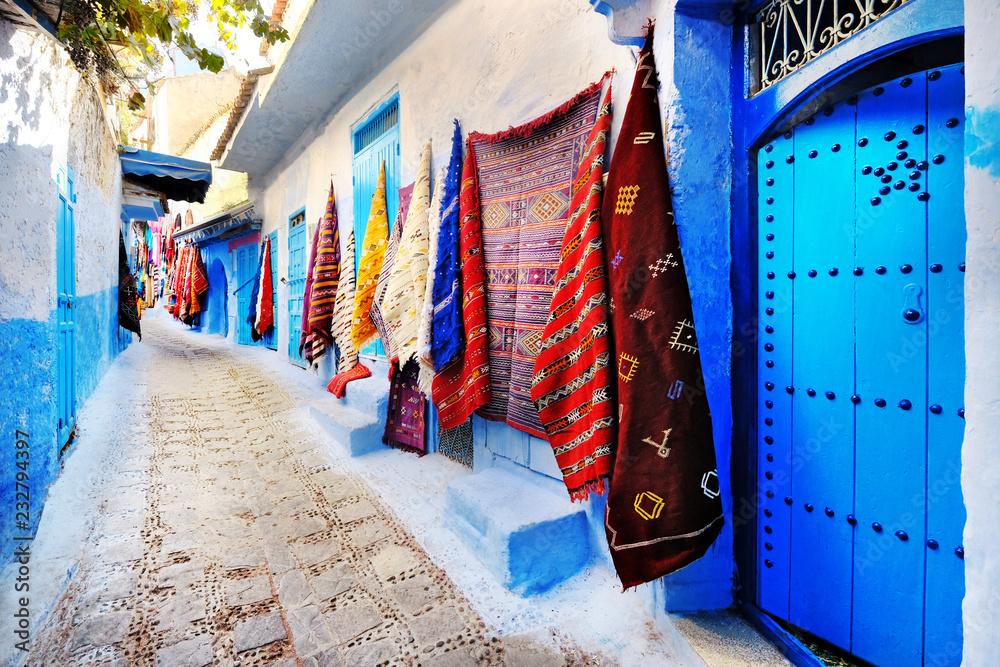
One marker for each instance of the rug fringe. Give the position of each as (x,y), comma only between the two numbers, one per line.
(598,486)
(531,127)
(403,447)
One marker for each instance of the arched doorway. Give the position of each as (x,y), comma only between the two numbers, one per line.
(218,299)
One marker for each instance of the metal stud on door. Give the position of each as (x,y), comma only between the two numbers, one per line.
(861,372)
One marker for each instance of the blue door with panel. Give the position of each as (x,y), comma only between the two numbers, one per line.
(246,268)
(66,297)
(270,338)
(861,372)
(375,141)
(297,243)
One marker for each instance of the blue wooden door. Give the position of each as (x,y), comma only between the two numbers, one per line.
(66,297)
(246,268)
(375,141)
(861,372)
(271,335)
(297,243)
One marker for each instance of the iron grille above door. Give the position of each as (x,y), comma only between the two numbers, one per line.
(787,34)
(861,372)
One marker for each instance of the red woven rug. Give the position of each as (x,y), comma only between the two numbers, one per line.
(664,509)
(525,177)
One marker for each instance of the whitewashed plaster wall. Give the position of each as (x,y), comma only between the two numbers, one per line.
(981,453)
(51,117)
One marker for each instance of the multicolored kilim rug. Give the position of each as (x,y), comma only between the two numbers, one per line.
(404,425)
(305,340)
(572,385)
(325,280)
(424,332)
(404,296)
(525,177)
(370,267)
(265,301)
(447,339)
(664,509)
(376,314)
(343,314)
(464,385)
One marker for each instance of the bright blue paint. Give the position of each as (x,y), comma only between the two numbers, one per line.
(774,581)
(66,295)
(755,121)
(945,357)
(297,244)
(700,172)
(846,334)
(984,139)
(29,366)
(367,165)
(896,31)
(215,319)
(270,339)
(246,268)
(540,558)
(890,443)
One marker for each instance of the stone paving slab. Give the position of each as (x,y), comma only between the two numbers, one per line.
(230,538)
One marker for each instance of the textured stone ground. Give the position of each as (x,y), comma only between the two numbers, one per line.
(227,538)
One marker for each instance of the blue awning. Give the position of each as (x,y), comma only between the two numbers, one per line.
(226,226)
(178,178)
(149,211)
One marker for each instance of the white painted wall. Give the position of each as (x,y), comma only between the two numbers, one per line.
(51,116)
(981,453)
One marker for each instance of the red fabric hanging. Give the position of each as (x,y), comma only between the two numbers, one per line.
(664,509)
(266,304)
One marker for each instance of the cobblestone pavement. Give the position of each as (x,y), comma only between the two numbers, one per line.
(229,539)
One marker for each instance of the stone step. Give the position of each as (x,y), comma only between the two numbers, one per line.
(530,538)
(358,431)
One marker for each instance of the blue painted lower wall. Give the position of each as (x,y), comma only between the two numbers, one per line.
(28,402)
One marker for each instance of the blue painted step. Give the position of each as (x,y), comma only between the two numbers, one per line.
(358,420)
(530,538)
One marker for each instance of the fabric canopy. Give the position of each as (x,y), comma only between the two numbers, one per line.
(178,178)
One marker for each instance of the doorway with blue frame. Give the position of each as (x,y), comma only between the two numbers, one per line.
(849,259)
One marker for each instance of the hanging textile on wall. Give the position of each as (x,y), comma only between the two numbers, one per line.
(265,300)
(464,384)
(305,342)
(404,296)
(348,367)
(377,313)
(255,297)
(424,331)
(525,177)
(447,337)
(664,509)
(326,277)
(363,329)
(404,425)
(572,383)
(128,312)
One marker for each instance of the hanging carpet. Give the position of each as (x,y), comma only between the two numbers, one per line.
(265,300)
(447,335)
(305,340)
(255,297)
(404,425)
(348,367)
(525,178)
(373,248)
(404,295)
(572,383)
(377,314)
(128,311)
(425,331)
(664,509)
(464,385)
(326,272)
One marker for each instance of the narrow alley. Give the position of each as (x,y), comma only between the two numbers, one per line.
(228,538)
